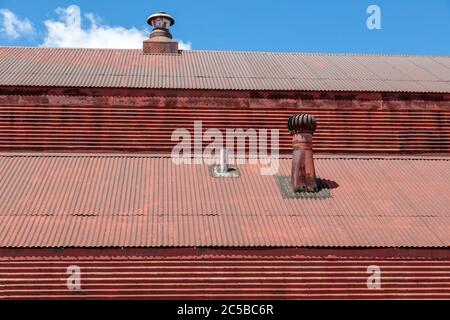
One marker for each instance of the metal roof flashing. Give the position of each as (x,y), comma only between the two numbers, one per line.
(232,172)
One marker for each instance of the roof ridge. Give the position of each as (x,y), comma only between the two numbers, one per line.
(305,53)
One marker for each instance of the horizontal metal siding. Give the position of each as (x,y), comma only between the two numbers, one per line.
(219,70)
(224,277)
(65,200)
(149,129)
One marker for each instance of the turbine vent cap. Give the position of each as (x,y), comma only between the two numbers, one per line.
(302,123)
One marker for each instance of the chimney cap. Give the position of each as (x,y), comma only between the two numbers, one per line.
(161,14)
(302,123)
(160,39)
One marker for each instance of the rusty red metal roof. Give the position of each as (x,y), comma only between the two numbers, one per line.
(222,70)
(28,123)
(63,200)
(243,275)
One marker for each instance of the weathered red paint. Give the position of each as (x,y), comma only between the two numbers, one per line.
(86,200)
(187,273)
(221,70)
(107,120)
(406,207)
(303,175)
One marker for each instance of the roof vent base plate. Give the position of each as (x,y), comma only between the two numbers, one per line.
(287,192)
(232,172)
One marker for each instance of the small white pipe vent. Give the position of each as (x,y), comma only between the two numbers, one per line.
(223,160)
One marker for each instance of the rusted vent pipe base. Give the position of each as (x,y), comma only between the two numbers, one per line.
(287,192)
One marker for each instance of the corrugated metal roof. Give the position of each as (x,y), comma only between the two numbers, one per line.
(27,126)
(222,70)
(147,201)
(223,277)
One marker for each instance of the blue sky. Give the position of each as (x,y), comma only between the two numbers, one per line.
(407,26)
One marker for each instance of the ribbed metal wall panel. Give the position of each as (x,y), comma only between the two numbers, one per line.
(149,129)
(224,277)
(115,68)
(143,201)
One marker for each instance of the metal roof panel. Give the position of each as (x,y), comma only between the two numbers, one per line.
(72,200)
(222,70)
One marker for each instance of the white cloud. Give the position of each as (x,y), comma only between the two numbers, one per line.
(184,45)
(68,31)
(12,26)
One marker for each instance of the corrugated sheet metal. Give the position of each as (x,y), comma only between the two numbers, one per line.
(144,201)
(117,68)
(224,277)
(149,128)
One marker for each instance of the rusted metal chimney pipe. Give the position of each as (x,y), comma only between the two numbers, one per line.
(303,175)
(160,38)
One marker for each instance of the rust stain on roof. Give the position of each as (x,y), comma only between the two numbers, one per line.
(223,277)
(25,126)
(221,70)
(147,201)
